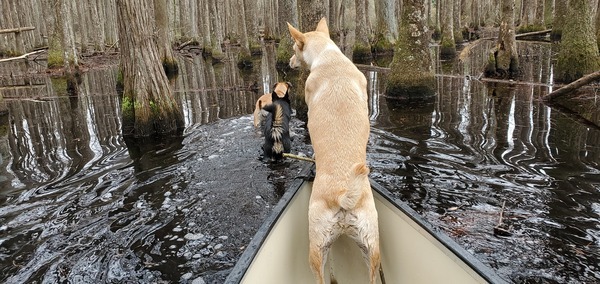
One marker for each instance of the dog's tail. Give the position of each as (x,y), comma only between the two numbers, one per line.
(277,127)
(356,181)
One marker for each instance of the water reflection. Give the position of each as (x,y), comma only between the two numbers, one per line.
(78,202)
(487,143)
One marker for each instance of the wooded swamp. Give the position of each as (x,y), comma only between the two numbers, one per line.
(80,203)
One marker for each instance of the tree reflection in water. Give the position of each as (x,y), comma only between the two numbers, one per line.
(78,203)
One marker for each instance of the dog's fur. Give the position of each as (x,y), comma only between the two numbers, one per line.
(277,125)
(338,123)
(281,89)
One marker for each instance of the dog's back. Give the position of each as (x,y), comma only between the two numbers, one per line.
(336,95)
(277,128)
(341,201)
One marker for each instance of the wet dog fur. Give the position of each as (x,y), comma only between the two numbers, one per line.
(341,201)
(277,125)
(281,89)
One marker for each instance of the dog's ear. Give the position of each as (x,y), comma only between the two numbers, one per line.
(322,26)
(298,37)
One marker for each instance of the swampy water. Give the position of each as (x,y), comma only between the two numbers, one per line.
(81,204)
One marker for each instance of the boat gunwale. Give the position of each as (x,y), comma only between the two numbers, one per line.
(481,269)
(243,264)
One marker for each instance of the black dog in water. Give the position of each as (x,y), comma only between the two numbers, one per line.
(277,127)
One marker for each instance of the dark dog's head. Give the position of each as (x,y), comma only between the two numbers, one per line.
(281,91)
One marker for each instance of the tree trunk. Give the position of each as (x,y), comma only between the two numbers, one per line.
(540,14)
(362,46)
(578,53)
(252,26)
(411,76)
(526,16)
(598,25)
(288,13)
(216,29)
(504,60)
(63,52)
(561,7)
(447,42)
(310,13)
(386,28)
(165,51)
(457,21)
(148,106)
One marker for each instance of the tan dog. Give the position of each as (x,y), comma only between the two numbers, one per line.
(281,89)
(338,123)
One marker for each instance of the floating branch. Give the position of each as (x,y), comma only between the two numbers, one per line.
(302,158)
(533,33)
(24,56)
(502,229)
(16,30)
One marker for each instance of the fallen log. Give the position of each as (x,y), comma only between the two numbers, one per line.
(533,33)
(24,56)
(464,53)
(572,86)
(16,30)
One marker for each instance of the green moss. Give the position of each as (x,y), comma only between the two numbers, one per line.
(217,54)
(255,48)
(55,59)
(490,67)
(59,85)
(529,28)
(361,51)
(382,45)
(153,108)
(447,49)
(9,53)
(244,60)
(284,51)
(410,87)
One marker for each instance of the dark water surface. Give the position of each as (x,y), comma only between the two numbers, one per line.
(80,203)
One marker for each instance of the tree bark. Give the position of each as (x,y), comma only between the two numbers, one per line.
(362,46)
(288,13)
(578,53)
(386,27)
(560,18)
(447,42)
(504,60)
(63,52)
(310,13)
(165,51)
(148,106)
(411,75)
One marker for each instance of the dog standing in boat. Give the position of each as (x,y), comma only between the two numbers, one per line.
(277,123)
(281,89)
(341,201)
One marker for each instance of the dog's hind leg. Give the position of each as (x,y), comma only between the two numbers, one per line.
(317,257)
(366,236)
(322,234)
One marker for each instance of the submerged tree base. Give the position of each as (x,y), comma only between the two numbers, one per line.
(416,87)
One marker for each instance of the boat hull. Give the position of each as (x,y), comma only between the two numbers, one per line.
(411,250)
